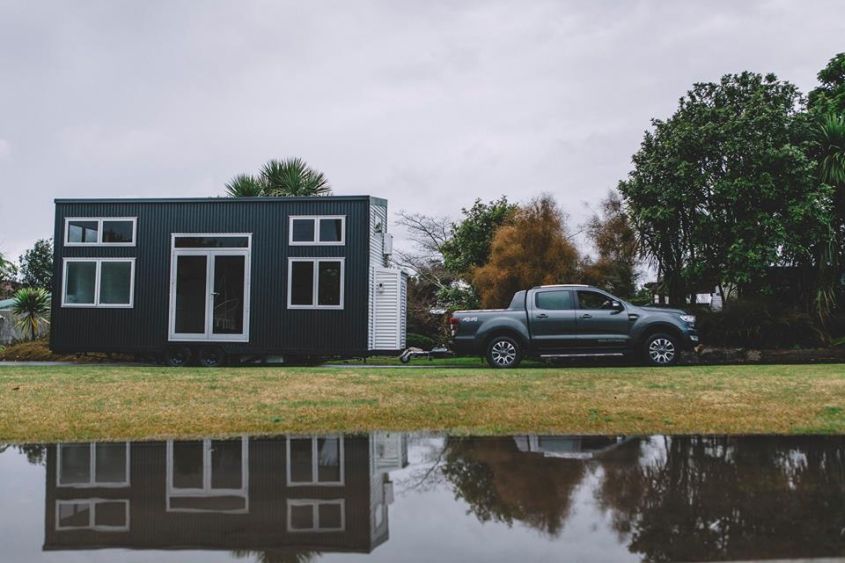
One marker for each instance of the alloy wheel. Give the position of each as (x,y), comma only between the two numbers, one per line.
(503,353)
(661,351)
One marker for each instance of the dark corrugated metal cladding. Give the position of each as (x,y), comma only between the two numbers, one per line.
(273,328)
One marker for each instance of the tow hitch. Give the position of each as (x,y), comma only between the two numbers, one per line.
(438,352)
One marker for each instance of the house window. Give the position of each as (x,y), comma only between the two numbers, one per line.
(311,515)
(207,475)
(98,282)
(326,230)
(93,465)
(315,461)
(315,283)
(100,231)
(101,515)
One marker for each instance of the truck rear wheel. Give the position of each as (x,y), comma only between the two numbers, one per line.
(503,352)
(661,349)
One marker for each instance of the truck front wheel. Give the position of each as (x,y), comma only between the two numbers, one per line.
(661,349)
(503,352)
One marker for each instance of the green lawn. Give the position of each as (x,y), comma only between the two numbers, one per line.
(121,402)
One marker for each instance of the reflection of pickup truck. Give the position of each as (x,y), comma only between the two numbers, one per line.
(562,321)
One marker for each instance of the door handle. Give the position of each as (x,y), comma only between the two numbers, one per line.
(542,316)
(586,316)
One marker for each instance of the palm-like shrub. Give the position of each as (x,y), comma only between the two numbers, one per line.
(31,306)
(244,185)
(830,144)
(289,177)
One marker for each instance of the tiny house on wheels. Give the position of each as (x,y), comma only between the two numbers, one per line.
(216,279)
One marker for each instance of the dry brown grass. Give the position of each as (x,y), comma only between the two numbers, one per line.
(121,402)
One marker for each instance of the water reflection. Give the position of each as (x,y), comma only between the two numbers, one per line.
(296,498)
(284,497)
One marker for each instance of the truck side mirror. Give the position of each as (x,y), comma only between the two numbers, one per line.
(617,306)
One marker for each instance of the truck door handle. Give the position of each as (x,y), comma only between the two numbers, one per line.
(586,316)
(542,316)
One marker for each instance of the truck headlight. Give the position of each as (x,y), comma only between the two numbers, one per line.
(688,319)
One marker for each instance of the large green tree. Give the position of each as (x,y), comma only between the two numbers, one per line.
(36,265)
(829,96)
(468,244)
(724,189)
(288,177)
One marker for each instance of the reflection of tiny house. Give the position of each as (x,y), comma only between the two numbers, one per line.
(286,495)
(207,278)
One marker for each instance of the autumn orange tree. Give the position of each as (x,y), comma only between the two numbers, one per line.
(532,249)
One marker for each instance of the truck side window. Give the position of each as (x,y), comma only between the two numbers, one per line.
(554,300)
(593,300)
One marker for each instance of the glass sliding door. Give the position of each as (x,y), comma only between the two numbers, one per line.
(209,288)
(191,272)
(228,310)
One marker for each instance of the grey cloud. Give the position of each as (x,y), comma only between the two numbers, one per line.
(429,104)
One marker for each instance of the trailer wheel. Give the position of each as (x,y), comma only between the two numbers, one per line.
(177,356)
(211,357)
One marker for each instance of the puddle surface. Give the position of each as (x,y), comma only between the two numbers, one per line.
(407,497)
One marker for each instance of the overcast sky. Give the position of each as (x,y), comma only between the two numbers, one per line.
(429,104)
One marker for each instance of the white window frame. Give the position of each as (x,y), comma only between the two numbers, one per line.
(99,221)
(97,275)
(315,282)
(315,515)
(316,241)
(92,475)
(206,491)
(315,463)
(209,253)
(92,515)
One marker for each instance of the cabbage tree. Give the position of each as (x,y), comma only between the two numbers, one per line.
(31,307)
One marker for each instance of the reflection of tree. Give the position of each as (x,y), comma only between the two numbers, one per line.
(36,454)
(275,556)
(501,483)
(706,498)
(424,473)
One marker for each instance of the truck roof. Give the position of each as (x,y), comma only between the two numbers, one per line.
(562,285)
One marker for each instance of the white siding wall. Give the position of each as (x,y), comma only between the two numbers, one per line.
(387,329)
(388,290)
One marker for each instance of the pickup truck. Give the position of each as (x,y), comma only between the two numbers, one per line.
(564,321)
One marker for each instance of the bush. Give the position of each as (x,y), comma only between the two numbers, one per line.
(754,324)
(39,351)
(414,340)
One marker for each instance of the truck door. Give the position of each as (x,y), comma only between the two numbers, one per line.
(551,320)
(601,326)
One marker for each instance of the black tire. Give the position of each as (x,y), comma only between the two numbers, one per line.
(503,352)
(211,357)
(661,350)
(177,356)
